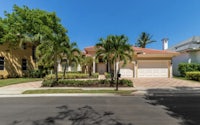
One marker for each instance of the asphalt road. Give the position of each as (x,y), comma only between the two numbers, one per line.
(132,110)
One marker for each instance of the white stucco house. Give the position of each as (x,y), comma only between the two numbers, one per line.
(189,52)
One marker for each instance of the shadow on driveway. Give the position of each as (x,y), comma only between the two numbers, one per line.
(180,102)
(82,116)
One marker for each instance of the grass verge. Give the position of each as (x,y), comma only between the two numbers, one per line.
(10,81)
(183,78)
(52,91)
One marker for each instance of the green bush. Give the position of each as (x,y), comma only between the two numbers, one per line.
(69,76)
(85,83)
(107,75)
(193,76)
(188,67)
(95,75)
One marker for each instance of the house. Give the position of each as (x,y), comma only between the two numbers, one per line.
(145,63)
(16,62)
(189,52)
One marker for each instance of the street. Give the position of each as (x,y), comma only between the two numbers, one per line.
(117,110)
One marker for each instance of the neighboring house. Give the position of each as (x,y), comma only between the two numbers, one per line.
(145,63)
(16,62)
(189,52)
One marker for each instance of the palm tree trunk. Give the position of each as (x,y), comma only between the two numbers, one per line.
(65,70)
(56,69)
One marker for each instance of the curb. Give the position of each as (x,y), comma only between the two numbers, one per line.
(61,95)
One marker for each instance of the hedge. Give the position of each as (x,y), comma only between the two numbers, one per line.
(85,83)
(188,67)
(72,76)
(193,76)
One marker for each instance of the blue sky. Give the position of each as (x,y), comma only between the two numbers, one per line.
(88,20)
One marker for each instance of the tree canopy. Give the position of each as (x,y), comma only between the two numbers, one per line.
(144,39)
(41,28)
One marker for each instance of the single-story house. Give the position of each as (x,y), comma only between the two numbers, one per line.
(145,63)
(189,52)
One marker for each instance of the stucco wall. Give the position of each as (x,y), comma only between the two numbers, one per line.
(190,57)
(13,60)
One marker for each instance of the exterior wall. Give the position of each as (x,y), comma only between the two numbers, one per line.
(13,60)
(190,57)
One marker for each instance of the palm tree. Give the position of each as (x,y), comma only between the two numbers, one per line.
(72,55)
(86,63)
(122,51)
(144,39)
(49,51)
(104,51)
(115,49)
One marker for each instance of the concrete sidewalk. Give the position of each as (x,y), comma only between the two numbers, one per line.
(16,90)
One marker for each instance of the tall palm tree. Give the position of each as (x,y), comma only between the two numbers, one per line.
(144,39)
(104,51)
(115,48)
(122,51)
(86,63)
(72,55)
(49,51)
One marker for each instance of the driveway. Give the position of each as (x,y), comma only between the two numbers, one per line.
(156,83)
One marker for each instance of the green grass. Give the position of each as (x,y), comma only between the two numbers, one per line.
(10,81)
(52,91)
(183,78)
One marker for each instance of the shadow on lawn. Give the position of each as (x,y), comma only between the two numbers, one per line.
(181,103)
(82,116)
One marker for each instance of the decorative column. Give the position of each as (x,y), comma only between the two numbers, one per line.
(79,67)
(171,70)
(59,66)
(69,68)
(135,69)
(94,64)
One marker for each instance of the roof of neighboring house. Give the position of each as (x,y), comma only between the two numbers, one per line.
(138,50)
(90,48)
(190,44)
(151,51)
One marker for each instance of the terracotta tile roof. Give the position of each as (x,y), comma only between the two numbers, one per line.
(90,48)
(152,51)
(140,50)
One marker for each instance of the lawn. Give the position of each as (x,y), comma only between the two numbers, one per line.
(183,78)
(52,91)
(10,81)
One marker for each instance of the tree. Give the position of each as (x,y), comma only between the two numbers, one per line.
(115,49)
(42,29)
(86,63)
(72,55)
(104,51)
(122,51)
(144,39)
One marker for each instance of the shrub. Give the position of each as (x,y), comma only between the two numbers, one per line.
(86,83)
(95,75)
(188,67)
(107,75)
(36,73)
(193,76)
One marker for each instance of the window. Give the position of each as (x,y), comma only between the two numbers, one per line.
(24,46)
(101,60)
(1,63)
(24,64)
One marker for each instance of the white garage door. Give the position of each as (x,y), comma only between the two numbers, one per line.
(153,69)
(127,70)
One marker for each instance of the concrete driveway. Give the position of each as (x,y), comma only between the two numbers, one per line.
(153,83)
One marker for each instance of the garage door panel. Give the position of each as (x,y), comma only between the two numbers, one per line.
(153,69)
(127,70)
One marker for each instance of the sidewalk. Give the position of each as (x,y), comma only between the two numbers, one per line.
(16,90)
